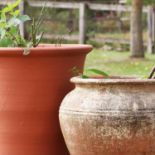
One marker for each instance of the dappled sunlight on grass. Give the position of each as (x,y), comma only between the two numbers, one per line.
(119,63)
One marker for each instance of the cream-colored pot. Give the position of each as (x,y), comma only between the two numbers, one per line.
(109,117)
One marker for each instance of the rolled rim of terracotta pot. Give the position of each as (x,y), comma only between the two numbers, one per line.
(112,80)
(47,49)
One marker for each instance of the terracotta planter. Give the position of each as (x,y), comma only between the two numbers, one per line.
(31,88)
(109,117)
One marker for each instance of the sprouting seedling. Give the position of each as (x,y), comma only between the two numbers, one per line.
(35,28)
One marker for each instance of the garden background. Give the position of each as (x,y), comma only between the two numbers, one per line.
(107,30)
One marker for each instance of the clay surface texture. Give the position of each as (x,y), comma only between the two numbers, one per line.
(31,90)
(109,117)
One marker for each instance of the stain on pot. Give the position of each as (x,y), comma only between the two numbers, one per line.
(109,117)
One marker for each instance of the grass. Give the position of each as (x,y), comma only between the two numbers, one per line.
(119,63)
(119,35)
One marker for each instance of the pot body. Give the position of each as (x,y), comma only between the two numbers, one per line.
(109,117)
(31,88)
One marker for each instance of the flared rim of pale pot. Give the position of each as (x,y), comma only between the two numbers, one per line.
(47,49)
(113,80)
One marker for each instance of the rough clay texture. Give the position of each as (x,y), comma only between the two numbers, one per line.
(109,119)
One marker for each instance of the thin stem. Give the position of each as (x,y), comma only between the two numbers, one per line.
(13,38)
(36,24)
(33,32)
(152,73)
(41,14)
(39,39)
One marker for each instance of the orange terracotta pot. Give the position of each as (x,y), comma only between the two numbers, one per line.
(31,88)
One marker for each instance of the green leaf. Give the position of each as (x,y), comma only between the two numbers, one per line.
(24,18)
(6,43)
(14,5)
(14,22)
(96,71)
(2,33)
(18,20)
(84,76)
(3,24)
(6,9)
(10,18)
(13,30)
(15,13)
(3,16)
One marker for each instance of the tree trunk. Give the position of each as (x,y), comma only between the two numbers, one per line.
(137,29)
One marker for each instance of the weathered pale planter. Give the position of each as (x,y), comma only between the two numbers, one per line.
(109,117)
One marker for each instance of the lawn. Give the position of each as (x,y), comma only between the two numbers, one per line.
(119,35)
(119,63)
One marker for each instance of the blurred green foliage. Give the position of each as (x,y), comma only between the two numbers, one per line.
(99,23)
(10,19)
(145,2)
(98,1)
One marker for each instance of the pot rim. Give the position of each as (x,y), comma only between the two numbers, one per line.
(114,80)
(44,49)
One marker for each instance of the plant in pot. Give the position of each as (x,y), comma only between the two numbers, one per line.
(33,80)
(109,116)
